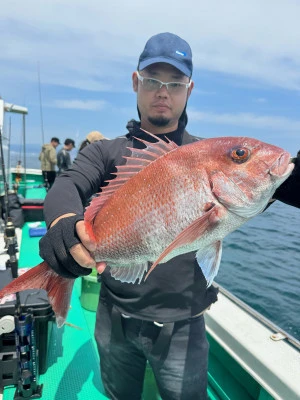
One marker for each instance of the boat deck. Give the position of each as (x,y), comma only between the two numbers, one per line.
(73,371)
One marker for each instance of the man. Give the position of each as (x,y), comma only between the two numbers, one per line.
(91,137)
(161,320)
(48,161)
(63,156)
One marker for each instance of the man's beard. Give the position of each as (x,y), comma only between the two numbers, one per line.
(159,121)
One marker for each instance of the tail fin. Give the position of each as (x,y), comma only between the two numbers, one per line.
(59,289)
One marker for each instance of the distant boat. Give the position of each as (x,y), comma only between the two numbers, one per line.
(250,357)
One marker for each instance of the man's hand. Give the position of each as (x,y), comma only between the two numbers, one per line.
(66,247)
(81,252)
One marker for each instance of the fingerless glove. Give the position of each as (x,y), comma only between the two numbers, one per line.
(55,248)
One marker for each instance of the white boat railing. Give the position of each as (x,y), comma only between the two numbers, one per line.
(279,334)
(266,352)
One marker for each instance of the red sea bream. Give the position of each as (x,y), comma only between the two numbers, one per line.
(169,200)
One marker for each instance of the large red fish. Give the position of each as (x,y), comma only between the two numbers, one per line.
(169,200)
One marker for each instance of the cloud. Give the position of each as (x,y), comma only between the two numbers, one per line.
(261,100)
(248,120)
(76,104)
(243,53)
(258,40)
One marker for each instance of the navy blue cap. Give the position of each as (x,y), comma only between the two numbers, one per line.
(167,48)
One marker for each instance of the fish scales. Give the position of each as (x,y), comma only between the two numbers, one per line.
(164,199)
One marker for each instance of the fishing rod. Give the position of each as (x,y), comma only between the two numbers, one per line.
(5,184)
(8,145)
(10,237)
(41,106)
(24,149)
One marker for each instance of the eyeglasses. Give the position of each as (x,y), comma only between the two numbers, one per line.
(151,84)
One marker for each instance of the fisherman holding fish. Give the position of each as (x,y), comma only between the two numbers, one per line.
(159,319)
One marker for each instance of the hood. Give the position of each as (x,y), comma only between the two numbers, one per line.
(134,131)
(46,146)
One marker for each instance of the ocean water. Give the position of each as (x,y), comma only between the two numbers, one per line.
(261,265)
(260,262)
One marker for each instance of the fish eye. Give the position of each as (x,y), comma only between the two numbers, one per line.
(240,154)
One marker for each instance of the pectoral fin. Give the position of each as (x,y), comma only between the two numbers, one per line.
(129,274)
(192,233)
(209,261)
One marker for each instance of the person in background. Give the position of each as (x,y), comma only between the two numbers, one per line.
(63,156)
(161,320)
(18,177)
(48,161)
(91,138)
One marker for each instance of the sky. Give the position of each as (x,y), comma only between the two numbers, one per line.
(70,63)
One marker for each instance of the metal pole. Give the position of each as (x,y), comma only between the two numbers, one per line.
(41,107)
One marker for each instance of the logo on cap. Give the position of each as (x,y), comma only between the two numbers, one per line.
(181,53)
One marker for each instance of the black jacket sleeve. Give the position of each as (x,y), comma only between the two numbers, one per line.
(289,191)
(73,188)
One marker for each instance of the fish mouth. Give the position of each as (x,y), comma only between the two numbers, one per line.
(283,166)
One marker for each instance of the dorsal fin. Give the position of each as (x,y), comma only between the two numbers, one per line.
(137,161)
